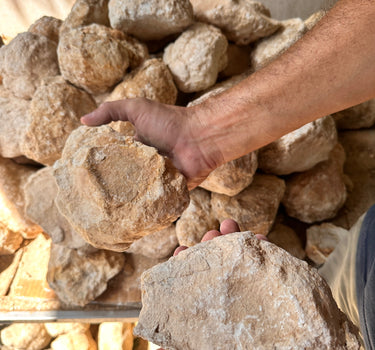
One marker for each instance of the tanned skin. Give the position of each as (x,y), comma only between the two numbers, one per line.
(331,68)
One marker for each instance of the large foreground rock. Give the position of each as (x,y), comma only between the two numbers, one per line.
(114,190)
(243,294)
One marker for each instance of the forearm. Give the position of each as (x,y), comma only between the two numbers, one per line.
(328,70)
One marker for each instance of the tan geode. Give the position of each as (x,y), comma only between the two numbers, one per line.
(115,190)
(237,292)
(152,80)
(196,57)
(55,112)
(242,21)
(152,19)
(47,26)
(94,57)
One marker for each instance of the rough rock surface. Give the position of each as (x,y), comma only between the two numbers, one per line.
(357,117)
(232,177)
(85,12)
(158,245)
(124,128)
(47,26)
(314,19)
(285,237)
(196,57)
(9,241)
(197,219)
(77,278)
(319,193)
(238,60)
(299,150)
(25,61)
(151,80)
(151,20)
(74,341)
(242,21)
(55,112)
(12,201)
(93,57)
(255,207)
(321,240)
(30,336)
(8,268)
(115,336)
(40,193)
(268,49)
(55,329)
(240,291)
(115,190)
(137,51)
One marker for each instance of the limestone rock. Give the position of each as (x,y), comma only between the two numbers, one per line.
(114,190)
(285,237)
(25,61)
(93,57)
(232,177)
(9,241)
(74,341)
(151,20)
(321,240)
(240,291)
(255,207)
(314,19)
(77,278)
(12,201)
(47,26)
(85,12)
(152,80)
(58,328)
(238,60)
(30,336)
(196,57)
(242,21)
(299,150)
(8,267)
(115,336)
(197,219)
(268,49)
(55,112)
(14,119)
(316,194)
(357,117)
(158,245)
(40,193)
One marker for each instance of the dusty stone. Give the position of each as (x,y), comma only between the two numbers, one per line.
(285,237)
(85,12)
(268,49)
(317,194)
(58,328)
(255,207)
(357,117)
(12,201)
(321,240)
(93,57)
(30,279)
(8,267)
(197,219)
(77,278)
(196,57)
(115,336)
(9,241)
(47,26)
(228,279)
(25,61)
(232,177)
(158,245)
(74,341)
(238,60)
(151,20)
(55,112)
(241,21)
(151,80)
(30,336)
(314,19)
(129,189)
(299,150)
(40,193)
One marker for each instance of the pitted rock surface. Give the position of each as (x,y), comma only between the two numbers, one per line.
(47,26)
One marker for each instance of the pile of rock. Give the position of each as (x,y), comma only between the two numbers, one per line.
(97,192)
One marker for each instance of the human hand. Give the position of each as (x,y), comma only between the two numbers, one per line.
(177,132)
